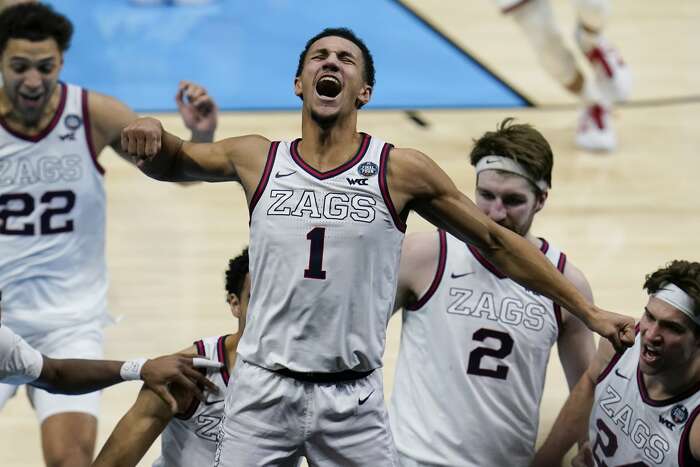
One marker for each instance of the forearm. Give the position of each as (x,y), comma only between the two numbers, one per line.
(76,376)
(570,427)
(523,262)
(132,436)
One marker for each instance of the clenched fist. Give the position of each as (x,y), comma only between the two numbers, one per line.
(142,138)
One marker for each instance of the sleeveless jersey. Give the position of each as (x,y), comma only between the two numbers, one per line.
(190,438)
(472,363)
(52,201)
(627,427)
(324,257)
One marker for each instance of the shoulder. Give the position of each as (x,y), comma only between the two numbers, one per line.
(107,111)
(420,247)
(243,147)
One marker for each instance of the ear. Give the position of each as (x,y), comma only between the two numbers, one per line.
(541,199)
(364,96)
(297,87)
(235,304)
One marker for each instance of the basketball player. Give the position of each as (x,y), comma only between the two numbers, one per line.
(22,364)
(328,215)
(188,438)
(52,202)
(475,344)
(612,77)
(640,407)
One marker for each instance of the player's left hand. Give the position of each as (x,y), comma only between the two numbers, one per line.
(616,328)
(584,458)
(199,111)
(159,372)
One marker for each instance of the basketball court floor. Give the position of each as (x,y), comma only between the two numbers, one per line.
(618,216)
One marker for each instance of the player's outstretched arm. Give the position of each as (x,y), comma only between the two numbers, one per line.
(135,432)
(416,179)
(79,376)
(571,425)
(164,156)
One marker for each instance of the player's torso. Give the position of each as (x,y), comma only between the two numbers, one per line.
(487,340)
(190,438)
(627,427)
(52,202)
(324,255)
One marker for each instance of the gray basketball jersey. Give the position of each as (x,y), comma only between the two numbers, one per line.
(52,202)
(190,438)
(324,258)
(627,427)
(472,362)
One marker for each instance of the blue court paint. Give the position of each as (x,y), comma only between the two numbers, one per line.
(246,51)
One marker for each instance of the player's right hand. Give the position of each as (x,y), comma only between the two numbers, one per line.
(141,139)
(584,458)
(616,328)
(160,372)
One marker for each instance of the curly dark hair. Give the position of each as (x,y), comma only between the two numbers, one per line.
(236,272)
(684,274)
(520,142)
(345,33)
(34,22)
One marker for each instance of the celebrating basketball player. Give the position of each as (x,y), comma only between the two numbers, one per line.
(471,334)
(328,215)
(639,408)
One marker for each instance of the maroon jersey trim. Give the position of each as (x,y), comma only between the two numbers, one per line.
(271,154)
(364,144)
(438,274)
(399,222)
(88,132)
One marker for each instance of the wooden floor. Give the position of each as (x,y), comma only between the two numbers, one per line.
(618,216)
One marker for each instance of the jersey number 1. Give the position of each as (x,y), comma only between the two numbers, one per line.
(315,270)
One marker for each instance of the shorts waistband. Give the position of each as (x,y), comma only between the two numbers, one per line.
(337,377)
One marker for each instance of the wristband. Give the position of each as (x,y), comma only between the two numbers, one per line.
(131,370)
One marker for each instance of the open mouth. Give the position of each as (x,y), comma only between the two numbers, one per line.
(30,99)
(649,354)
(328,86)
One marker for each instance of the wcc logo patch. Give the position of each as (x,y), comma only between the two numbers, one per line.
(679,414)
(72,122)
(368,169)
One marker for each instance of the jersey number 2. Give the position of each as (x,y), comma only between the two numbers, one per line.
(46,227)
(475,368)
(315,270)
(609,448)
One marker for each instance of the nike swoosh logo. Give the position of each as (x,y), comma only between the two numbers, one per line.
(491,161)
(214,402)
(280,175)
(456,276)
(617,372)
(362,401)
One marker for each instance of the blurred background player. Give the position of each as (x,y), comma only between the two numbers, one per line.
(189,437)
(612,77)
(641,407)
(52,204)
(475,344)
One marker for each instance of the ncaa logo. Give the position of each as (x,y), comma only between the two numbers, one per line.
(72,122)
(679,414)
(368,169)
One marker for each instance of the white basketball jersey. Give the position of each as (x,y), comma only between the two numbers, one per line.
(190,438)
(324,258)
(472,362)
(52,202)
(627,427)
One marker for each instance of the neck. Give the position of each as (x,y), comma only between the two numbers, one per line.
(672,382)
(327,147)
(231,345)
(18,123)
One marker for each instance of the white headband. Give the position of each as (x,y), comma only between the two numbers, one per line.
(677,298)
(506,164)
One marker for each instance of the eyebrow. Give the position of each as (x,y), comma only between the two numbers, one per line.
(666,322)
